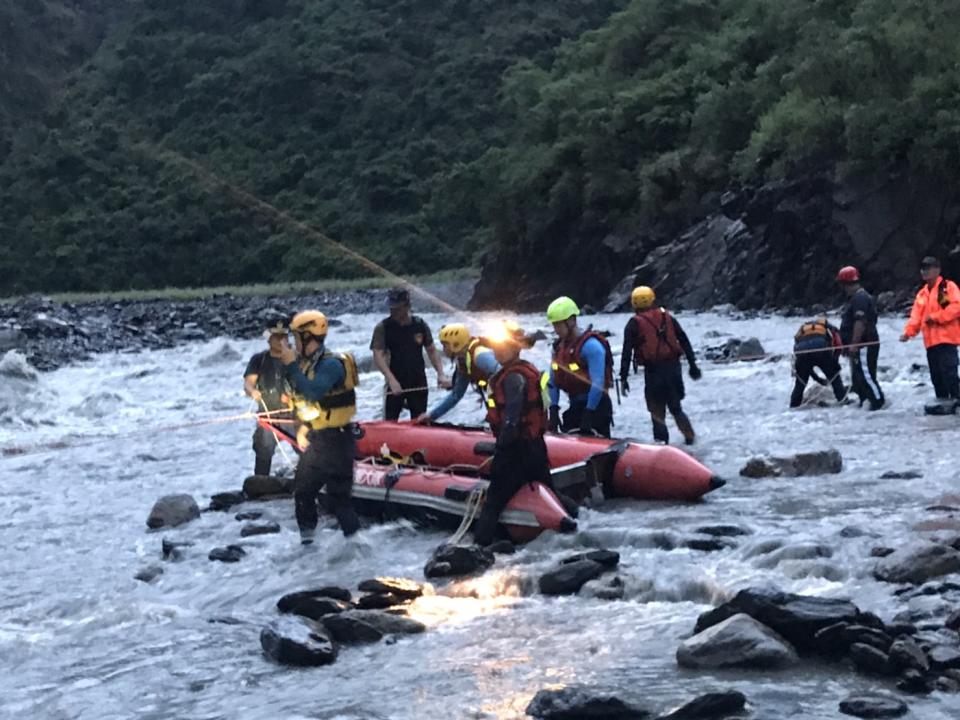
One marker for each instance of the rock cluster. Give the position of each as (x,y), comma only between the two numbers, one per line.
(576,702)
(822,462)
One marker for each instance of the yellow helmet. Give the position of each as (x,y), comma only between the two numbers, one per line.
(455,336)
(313,322)
(642,297)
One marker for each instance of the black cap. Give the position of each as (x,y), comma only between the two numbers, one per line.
(277,327)
(929,262)
(398,296)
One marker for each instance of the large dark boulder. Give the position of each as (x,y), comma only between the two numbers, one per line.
(289,601)
(316,608)
(457,560)
(918,562)
(173,510)
(577,703)
(570,577)
(737,642)
(386,623)
(266,486)
(710,706)
(351,630)
(297,641)
(400,587)
(873,706)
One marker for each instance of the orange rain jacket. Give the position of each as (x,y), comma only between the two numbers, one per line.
(942,307)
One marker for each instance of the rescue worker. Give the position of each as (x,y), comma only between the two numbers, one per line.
(265,382)
(323,396)
(654,339)
(398,344)
(518,421)
(861,342)
(475,365)
(815,346)
(936,312)
(582,367)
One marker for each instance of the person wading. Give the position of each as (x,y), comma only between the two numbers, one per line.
(815,346)
(858,331)
(398,344)
(518,421)
(582,367)
(936,312)
(265,382)
(324,400)
(475,365)
(654,339)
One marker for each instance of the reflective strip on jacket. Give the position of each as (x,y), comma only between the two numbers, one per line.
(338,407)
(942,306)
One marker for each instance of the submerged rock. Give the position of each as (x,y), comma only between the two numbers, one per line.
(604,588)
(252,529)
(722,530)
(266,486)
(455,560)
(401,587)
(173,550)
(868,659)
(228,554)
(248,515)
(710,706)
(901,475)
(579,703)
(223,501)
(351,630)
(173,510)
(822,462)
(607,558)
(918,562)
(906,654)
(873,706)
(319,607)
(387,623)
(738,641)
(374,601)
(149,573)
(569,578)
(297,641)
(289,601)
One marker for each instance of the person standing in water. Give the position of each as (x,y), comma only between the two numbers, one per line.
(861,341)
(264,381)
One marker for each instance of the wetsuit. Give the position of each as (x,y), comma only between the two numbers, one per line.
(272,384)
(808,358)
(405,345)
(863,360)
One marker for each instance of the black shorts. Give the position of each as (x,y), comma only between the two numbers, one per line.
(415,402)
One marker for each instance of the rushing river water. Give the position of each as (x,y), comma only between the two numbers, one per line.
(80,638)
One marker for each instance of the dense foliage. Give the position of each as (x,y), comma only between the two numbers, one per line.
(352,117)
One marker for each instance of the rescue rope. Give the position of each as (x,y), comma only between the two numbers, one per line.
(276,436)
(832,348)
(473,505)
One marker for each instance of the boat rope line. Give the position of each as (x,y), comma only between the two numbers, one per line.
(472,509)
(276,435)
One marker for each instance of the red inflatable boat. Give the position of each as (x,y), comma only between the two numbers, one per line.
(620,467)
(441,498)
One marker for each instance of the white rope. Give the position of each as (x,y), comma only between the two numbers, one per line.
(474,503)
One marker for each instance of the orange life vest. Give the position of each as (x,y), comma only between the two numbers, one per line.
(570,371)
(658,340)
(533,416)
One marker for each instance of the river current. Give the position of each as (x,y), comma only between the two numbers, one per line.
(81,638)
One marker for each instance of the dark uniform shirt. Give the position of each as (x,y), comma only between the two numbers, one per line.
(405,344)
(859,307)
(271,380)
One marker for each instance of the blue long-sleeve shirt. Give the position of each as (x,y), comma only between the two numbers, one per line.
(327,375)
(595,356)
(488,365)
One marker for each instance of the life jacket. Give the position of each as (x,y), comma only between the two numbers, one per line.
(820,328)
(658,338)
(533,416)
(338,407)
(467,364)
(570,371)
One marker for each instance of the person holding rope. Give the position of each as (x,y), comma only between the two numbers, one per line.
(325,402)
(582,367)
(398,344)
(861,342)
(654,339)
(264,381)
(518,421)
(816,346)
(475,365)
(936,311)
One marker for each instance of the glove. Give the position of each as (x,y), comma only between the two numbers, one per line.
(586,423)
(695,372)
(553,423)
(624,385)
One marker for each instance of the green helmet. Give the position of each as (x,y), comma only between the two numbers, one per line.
(563,308)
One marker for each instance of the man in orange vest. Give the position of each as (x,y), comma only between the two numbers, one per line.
(653,338)
(517,418)
(936,311)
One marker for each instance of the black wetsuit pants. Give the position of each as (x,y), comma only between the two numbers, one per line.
(602,416)
(522,461)
(663,390)
(863,372)
(415,402)
(264,445)
(942,360)
(804,366)
(327,462)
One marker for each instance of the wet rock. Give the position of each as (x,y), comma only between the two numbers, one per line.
(795,617)
(906,654)
(947,684)
(252,529)
(739,641)
(914,682)
(457,560)
(851,531)
(917,562)
(173,550)
(221,502)
(823,462)
(901,475)
(319,607)
(248,515)
(173,510)
(873,706)
(386,622)
(710,706)
(869,660)
(938,525)
(351,630)
(228,554)
(297,641)
(759,468)
(256,487)
(607,558)
(223,355)
(900,629)
(604,589)
(502,547)
(380,602)
(722,530)
(953,620)
(580,703)
(709,544)
(868,636)
(735,349)
(401,587)
(569,578)
(149,573)
(944,657)
(832,640)
(11,339)
(881,552)
(289,601)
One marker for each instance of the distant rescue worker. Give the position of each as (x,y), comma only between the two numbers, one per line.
(936,312)
(654,339)
(265,382)
(582,367)
(398,344)
(475,365)
(518,420)
(324,399)
(861,342)
(816,346)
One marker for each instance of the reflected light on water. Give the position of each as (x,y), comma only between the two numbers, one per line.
(465,600)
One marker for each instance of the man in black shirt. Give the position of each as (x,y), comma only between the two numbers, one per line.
(265,382)
(858,331)
(398,344)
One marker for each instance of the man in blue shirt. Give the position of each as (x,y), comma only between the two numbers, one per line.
(476,364)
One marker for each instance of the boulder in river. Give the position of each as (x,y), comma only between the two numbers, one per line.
(351,630)
(710,706)
(604,588)
(173,510)
(917,562)
(821,462)
(149,573)
(906,654)
(607,558)
(401,587)
(297,641)
(722,530)
(873,706)
(570,577)
(736,349)
(228,554)
(319,607)
(456,560)
(173,550)
(263,528)
(223,501)
(739,641)
(266,486)
(289,601)
(869,660)
(580,703)
(376,601)
(387,623)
